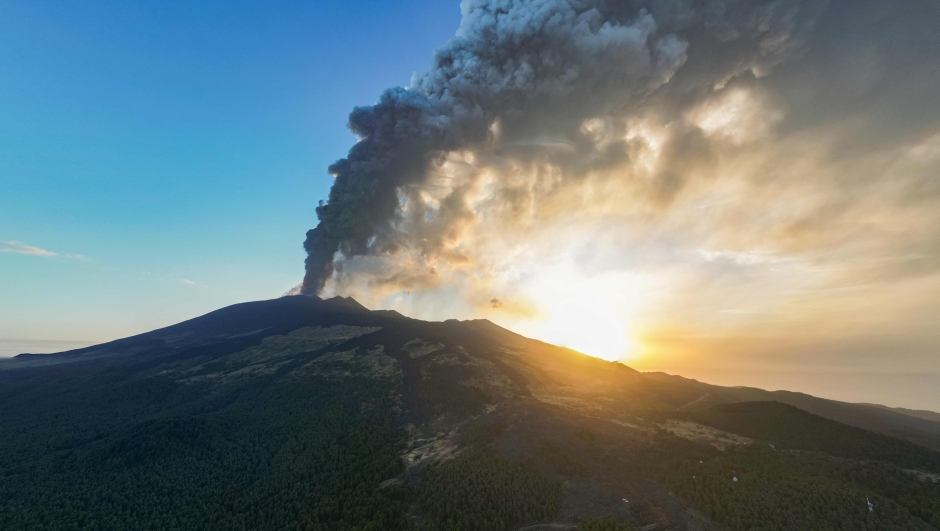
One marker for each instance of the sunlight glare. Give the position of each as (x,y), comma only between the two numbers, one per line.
(585,314)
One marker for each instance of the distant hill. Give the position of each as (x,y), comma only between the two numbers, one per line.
(792,428)
(916,413)
(914,426)
(303,413)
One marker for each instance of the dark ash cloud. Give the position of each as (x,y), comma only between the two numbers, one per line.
(529,73)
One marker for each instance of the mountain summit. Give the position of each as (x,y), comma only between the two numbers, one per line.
(304,413)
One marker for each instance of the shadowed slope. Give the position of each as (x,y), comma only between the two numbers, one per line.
(325,415)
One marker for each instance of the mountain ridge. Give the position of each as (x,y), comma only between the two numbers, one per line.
(322,414)
(288,312)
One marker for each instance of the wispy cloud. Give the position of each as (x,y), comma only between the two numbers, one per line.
(172,279)
(12,246)
(744,311)
(736,257)
(22,248)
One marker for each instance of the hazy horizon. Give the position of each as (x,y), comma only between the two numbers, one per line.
(919,389)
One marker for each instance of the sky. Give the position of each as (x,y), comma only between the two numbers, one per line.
(743,196)
(159,161)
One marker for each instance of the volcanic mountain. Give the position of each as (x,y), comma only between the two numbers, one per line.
(303,413)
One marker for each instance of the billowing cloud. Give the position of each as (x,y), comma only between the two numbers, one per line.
(527,86)
(742,170)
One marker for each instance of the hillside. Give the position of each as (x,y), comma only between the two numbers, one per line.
(302,413)
(791,428)
(914,426)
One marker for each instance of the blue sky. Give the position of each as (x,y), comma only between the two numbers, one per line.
(170,154)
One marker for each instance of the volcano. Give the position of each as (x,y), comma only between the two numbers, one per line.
(304,413)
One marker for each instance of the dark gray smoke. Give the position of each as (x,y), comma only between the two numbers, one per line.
(537,69)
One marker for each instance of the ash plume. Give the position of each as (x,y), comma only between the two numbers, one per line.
(521,75)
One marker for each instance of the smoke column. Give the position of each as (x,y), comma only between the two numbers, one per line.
(523,69)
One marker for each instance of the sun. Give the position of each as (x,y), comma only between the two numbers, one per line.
(582,326)
(589,315)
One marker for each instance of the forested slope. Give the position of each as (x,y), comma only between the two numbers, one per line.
(789,427)
(300,413)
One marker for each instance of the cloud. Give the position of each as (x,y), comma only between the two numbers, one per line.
(546,89)
(774,175)
(22,248)
(296,290)
(736,257)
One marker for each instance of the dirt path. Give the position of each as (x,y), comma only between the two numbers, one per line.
(692,403)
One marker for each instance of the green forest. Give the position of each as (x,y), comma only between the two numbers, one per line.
(155,454)
(604,523)
(790,428)
(310,452)
(486,493)
(791,490)
(319,447)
